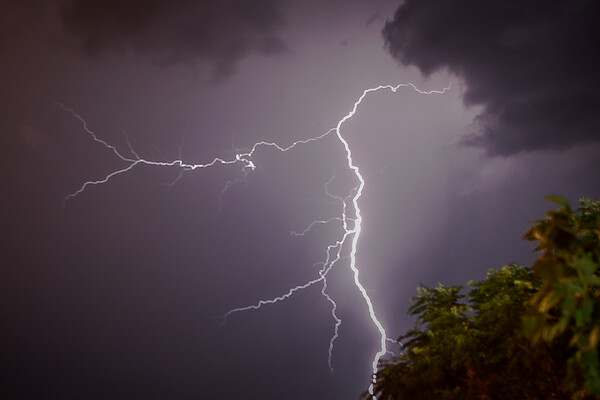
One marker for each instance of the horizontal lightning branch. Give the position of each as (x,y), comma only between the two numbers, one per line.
(351,226)
(243,158)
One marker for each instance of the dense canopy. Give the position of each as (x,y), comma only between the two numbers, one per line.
(527,333)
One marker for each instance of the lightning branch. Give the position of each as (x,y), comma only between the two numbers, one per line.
(349,218)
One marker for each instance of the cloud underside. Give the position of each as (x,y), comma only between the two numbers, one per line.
(219,33)
(533,65)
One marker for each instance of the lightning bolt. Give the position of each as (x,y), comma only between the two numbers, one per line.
(351,226)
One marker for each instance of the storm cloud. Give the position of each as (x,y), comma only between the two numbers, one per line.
(533,66)
(220,33)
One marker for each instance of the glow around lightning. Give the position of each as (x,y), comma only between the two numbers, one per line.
(351,226)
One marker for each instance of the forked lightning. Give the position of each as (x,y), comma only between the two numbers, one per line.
(350,216)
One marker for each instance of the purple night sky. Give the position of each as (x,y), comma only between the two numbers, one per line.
(120,294)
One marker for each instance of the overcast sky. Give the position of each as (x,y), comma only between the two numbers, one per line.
(120,292)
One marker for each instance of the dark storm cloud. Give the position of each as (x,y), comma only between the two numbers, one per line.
(533,65)
(220,32)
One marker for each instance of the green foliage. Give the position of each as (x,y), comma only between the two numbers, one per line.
(523,333)
(470,346)
(568,302)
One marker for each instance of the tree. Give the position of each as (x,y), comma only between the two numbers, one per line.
(527,333)
(568,302)
(470,346)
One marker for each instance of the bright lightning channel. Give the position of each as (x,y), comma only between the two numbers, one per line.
(351,227)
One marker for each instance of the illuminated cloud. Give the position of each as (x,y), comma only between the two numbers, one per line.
(533,66)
